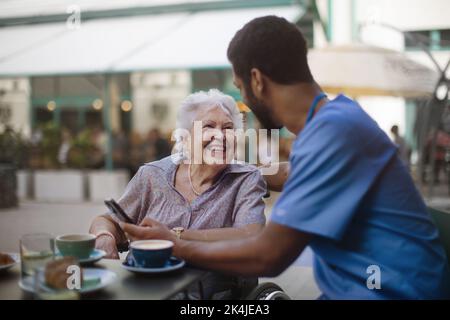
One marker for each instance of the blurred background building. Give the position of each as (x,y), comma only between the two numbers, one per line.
(95,84)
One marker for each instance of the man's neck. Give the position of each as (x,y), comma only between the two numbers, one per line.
(294,102)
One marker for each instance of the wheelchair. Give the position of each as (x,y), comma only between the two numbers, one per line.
(250,289)
(244,288)
(266,290)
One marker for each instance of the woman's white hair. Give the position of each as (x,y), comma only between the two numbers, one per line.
(205,99)
(191,105)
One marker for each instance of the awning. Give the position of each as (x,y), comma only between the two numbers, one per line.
(154,42)
(362,70)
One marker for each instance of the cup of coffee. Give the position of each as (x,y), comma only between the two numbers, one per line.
(151,253)
(79,246)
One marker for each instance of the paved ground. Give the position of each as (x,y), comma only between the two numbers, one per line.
(440,198)
(44,217)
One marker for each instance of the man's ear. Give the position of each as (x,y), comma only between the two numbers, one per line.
(257,82)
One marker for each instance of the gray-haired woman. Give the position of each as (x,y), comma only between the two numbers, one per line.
(211,199)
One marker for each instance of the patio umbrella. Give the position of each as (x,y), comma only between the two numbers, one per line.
(364,70)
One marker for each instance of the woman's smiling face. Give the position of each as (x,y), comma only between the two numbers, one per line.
(217,135)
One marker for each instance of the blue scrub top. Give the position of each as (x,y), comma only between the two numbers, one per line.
(349,189)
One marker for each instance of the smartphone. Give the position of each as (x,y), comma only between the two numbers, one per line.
(118,211)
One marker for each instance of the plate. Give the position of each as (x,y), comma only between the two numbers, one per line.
(171,265)
(95,256)
(89,274)
(16,258)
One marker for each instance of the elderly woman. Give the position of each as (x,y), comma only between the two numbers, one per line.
(208,200)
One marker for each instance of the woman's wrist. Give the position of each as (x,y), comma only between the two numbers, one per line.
(105,233)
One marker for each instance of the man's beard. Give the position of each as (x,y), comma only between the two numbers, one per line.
(261,111)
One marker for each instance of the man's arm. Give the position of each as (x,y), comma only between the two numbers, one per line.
(222,233)
(266,254)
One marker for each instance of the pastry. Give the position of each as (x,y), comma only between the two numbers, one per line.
(56,272)
(6,259)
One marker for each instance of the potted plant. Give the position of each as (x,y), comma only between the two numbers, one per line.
(56,182)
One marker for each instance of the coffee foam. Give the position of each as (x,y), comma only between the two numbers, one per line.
(151,244)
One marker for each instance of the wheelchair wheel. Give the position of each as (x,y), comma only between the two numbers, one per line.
(267,291)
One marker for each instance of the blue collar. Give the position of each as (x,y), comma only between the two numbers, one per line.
(312,109)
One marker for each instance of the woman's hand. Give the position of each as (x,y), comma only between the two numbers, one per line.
(108,244)
(148,229)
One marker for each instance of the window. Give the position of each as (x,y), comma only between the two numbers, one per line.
(444,38)
(415,38)
(432,39)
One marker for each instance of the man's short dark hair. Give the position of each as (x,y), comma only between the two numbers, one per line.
(274,46)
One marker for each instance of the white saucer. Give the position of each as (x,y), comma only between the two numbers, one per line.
(16,258)
(95,256)
(106,278)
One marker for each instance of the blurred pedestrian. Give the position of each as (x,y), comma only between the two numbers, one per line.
(156,146)
(442,144)
(120,149)
(66,142)
(404,151)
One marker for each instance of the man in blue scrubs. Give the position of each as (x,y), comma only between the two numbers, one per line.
(348,195)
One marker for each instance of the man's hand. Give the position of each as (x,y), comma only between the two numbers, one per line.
(108,244)
(275,182)
(148,229)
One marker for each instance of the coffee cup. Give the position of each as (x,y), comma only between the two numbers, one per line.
(79,246)
(151,253)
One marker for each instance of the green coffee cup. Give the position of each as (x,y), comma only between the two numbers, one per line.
(79,246)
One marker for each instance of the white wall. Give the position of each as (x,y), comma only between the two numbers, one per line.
(386,111)
(402,14)
(406,14)
(341,22)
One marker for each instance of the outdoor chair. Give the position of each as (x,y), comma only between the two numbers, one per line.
(442,220)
